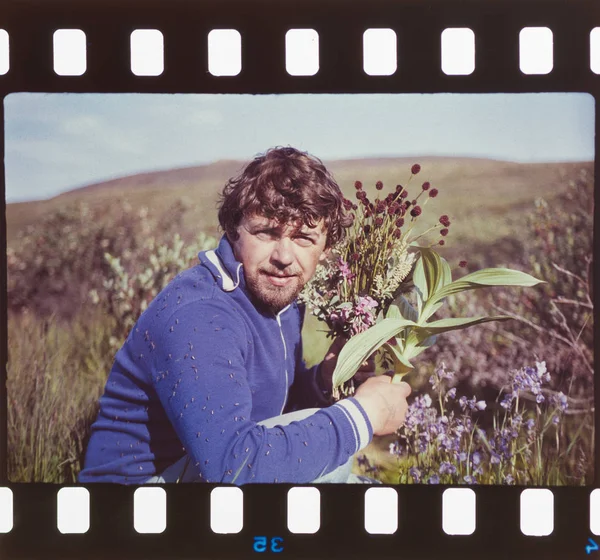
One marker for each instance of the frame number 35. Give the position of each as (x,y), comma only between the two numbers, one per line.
(262,544)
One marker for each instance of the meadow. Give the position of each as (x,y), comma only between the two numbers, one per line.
(83,266)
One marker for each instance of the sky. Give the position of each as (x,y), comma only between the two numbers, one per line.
(58,142)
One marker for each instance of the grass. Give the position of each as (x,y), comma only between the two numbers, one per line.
(57,369)
(56,373)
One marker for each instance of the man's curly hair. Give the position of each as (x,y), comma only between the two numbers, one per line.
(289,186)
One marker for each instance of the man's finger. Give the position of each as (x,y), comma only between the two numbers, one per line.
(407,388)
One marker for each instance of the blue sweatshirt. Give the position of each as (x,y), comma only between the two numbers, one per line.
(197,372)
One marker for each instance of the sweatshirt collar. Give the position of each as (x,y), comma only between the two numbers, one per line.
(223,265)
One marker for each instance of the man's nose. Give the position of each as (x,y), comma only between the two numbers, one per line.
(283,252)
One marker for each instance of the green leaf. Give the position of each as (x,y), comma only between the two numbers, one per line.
(486,278)
(453,324)
(437,273)
(407,311)
(432,269)
(400,362)
(418,341)
(361,346)
(393,312)
(446,272)
(429,310)
(420,285)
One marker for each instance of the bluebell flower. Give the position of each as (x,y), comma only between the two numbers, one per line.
(507,401)
(509,479)
(476,458)
(415,473)
(469,479)
(433,479)
(560,400)
(447,468)
(530,424)
(395,448)
(516,421)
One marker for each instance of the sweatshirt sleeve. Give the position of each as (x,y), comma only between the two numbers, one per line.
(202,383)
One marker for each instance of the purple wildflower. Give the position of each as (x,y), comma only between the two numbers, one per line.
(415,473)
(433,479)
(560,400)
(345,269)
(395,448)
(530,425)
(507,401)
(447,468)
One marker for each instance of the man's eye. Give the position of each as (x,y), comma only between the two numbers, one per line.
(304,239)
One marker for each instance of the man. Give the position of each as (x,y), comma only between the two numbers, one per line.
(219,350)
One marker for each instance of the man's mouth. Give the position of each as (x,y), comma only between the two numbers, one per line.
(278,279)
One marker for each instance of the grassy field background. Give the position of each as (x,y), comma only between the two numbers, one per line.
(62,342)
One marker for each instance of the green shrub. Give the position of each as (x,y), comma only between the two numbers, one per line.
(133,280)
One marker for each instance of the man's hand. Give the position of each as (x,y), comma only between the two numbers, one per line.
(366,370)
(384,402)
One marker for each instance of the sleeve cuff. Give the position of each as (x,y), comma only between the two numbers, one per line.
(358,419)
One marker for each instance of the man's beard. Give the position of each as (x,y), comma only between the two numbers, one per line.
(270,297)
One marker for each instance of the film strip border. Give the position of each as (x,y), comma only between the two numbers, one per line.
(466,46)
(301,522)
(304,522)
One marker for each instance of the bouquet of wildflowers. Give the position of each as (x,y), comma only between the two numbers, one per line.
(363,292)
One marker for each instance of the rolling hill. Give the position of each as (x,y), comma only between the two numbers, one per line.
(486,199)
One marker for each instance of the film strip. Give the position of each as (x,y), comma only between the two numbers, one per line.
(242,48)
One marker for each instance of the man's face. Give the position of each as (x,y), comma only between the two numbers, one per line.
(279,259)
